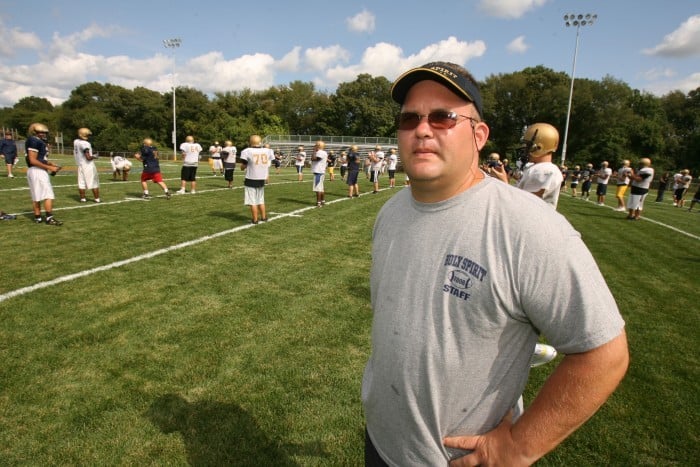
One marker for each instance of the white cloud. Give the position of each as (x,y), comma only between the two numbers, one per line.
(291,61)
(509,9)
(656,73)
(517,45)
(213,73)
(15,39)
(683,42)
(320,58)
(388,60)
(362,22)
(685,85)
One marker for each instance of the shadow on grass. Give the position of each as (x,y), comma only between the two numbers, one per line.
(231,215)
(217,433)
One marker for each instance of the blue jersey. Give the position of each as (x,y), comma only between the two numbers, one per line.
(8,148)
(39,146)
(149,159)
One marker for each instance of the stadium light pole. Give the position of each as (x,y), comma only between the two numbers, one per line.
(577,20)
(173,44)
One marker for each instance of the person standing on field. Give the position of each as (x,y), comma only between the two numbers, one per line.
(229,154)
(319,163)
(88,178)
(256,161)
(354,161)
(38,171)
(148,155)
(640,183)
(191,154)
(467,272)
(8,148)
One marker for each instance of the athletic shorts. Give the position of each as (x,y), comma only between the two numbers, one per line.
(352,177)
(156,177)
(620,192)
(318,182)
(88,178)
(374,175)
(39,184)
(601,189)
(300,168)
(254,196)
(392,174)
(188,173)
(636,202)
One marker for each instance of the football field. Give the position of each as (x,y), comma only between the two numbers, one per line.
(174,332)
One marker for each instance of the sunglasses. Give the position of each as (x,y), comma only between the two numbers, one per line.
(438,120)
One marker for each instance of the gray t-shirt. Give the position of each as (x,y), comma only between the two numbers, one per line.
(461,290)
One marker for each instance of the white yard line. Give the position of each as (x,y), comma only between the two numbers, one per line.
(145,256)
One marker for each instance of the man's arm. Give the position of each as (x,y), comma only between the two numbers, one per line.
(576,389)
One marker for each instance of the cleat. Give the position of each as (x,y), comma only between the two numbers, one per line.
(145,196)
(542,354)
(181,191)
(83,200)
(193,192)
(53,221)
(168,194)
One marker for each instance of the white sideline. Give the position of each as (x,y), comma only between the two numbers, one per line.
(179,246)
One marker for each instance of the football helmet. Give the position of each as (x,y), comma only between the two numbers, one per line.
(84,133)
(255,141)
(320,144)
(39,130)
(148,142)
(189,139)
(228,143)
(540,139)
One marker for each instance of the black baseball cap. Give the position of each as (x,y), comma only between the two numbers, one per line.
(449,74)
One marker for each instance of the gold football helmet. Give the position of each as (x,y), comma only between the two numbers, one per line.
(189,139)
(255,141)
(39,130)
(84,133)
(541,139)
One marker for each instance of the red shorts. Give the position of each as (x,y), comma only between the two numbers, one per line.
(156,177)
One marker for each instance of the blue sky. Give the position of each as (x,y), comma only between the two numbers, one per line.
(49,47)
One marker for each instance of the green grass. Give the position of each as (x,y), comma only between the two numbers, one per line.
(248,348)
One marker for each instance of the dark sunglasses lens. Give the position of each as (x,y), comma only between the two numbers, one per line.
(442,120)
(408,121)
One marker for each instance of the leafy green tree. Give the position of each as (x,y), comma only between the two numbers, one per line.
(363,108)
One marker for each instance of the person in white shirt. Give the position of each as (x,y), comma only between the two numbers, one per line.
(319,163)
(191,154)
(120,167)
(393,161)
(256,161)
(215,158)
(228,154)
(541,177)
(376,158)
(88,178)
(641,181)
(602,179)
(299,162)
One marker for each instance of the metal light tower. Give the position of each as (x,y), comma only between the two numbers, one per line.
(173,44)
(576,20)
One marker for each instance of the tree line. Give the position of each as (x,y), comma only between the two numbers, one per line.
(609,120)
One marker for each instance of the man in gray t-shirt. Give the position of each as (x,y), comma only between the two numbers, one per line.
(467,272)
